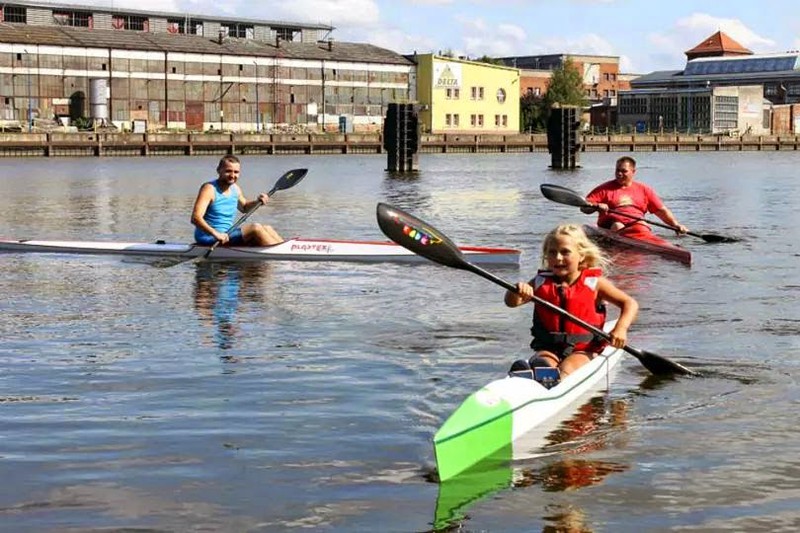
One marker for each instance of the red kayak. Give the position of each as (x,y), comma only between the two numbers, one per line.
(638,237)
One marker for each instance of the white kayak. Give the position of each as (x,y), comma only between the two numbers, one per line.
(296,249)
(508,417)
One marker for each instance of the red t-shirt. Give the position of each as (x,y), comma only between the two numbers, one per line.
(637,199)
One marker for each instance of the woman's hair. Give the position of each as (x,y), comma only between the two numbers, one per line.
(592,255)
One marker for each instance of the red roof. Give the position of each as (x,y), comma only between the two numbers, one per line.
(717,45)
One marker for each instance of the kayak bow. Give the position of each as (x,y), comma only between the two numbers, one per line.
(491,422)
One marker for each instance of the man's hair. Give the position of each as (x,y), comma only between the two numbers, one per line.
(627,159)
(228,159)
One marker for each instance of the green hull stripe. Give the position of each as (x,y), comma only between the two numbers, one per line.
(456,455)
(476,430)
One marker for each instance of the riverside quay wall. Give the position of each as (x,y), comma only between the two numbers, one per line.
(143,144)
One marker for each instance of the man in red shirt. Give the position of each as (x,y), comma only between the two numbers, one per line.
(625,196)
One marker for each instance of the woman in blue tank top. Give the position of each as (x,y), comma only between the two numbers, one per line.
(215,209)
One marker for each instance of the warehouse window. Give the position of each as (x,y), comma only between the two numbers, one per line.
(240,31)
(130,22)
(78,19)
(185,25)
(15,14)
(286,34)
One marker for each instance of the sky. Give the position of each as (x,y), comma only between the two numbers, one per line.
(646,35)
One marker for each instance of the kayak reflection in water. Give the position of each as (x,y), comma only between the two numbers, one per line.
(592,428)
(216,300)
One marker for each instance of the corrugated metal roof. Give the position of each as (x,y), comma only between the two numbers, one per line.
(132,40)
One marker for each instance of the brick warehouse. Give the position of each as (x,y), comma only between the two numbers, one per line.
(176,71)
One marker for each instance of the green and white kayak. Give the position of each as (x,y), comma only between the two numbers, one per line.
(493,421)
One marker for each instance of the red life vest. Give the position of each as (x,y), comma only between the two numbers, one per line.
(554,332)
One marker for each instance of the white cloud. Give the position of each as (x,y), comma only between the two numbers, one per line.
(340,13)
(480,38)
(688,32)
(703,24)
(395,40)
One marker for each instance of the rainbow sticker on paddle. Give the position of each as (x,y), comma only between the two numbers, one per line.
(408,231)
(418,236)
(423,236)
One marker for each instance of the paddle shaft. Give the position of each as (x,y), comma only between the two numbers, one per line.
(236,225)
(505,284)
(653,222)
(424,240)
(566,196)
(251,211)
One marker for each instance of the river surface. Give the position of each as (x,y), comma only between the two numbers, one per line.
(303,396)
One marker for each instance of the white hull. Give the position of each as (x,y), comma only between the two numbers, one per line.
(290,250)
(512,416)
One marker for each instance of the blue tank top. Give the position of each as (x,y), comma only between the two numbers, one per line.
(221,211)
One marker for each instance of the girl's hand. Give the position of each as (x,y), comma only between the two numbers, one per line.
(525,291)
(618,337)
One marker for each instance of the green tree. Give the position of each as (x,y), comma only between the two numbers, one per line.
(566,87)
(532,114)
(490,60)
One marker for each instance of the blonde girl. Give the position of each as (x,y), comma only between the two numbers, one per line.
(573,280)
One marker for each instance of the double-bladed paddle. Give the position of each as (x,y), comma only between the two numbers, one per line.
(566,196)
(289,179)
(428,242)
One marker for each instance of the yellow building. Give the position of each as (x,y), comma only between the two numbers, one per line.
(458,96)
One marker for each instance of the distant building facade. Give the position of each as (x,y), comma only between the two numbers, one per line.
(172,71)
(736,110)
(716,63)
(601,76)
(460,96)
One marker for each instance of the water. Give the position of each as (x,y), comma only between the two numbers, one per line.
(302,396)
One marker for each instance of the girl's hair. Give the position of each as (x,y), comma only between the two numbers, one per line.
(592,255)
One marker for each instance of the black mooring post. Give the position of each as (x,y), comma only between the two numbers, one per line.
(562,137)
(401,138)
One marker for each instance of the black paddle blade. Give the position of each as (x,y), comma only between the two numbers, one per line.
(712,237)
(419,237)
(562,195)
(658,365)
(289,179)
